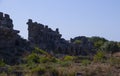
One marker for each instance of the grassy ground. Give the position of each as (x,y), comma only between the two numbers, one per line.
(43,64)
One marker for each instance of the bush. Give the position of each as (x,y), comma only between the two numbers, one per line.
(68,58)
(54,60)
(33,58)
(44,59)
(2,63)
(78,59)
(65,63)
(85,62)
(99,56)
(40,51)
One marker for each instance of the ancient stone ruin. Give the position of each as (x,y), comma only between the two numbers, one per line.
(12,46)
(49,40)
(5,21)
(45,38)
(84,46)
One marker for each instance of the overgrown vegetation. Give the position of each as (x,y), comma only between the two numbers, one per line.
(40,63)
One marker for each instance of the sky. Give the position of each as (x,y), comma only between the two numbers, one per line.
(72,17)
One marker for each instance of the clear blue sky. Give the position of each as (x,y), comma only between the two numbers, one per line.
(72,17)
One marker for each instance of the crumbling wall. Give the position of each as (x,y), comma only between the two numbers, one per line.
(5,21)
(12,46)
(47,39)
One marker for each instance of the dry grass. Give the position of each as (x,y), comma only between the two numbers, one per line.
(71,68)
(116,54)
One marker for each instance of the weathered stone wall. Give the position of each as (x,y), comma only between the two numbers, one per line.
(5,21)
(12,46)
(42,36)
(82,45)
(47,39)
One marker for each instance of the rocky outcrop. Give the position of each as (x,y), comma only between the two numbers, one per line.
(12,46)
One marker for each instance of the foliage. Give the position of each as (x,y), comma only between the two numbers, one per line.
(82,57)
(54,60)
(85,62)
(33,57)
(110,47)
(99,56)
(43,59)
(68,58)
(2,63)
(40,51)
(78,59)
(97,41)
(40,70)
(65,63)
(77,41)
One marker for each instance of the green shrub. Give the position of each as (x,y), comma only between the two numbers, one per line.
(44,59)
(78,59)
(65,63)
(85,62)
(40,51)
(54,60)
(99,56)
(82,57)
(33,58)
(31,65)
(68,58)
(2,63)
